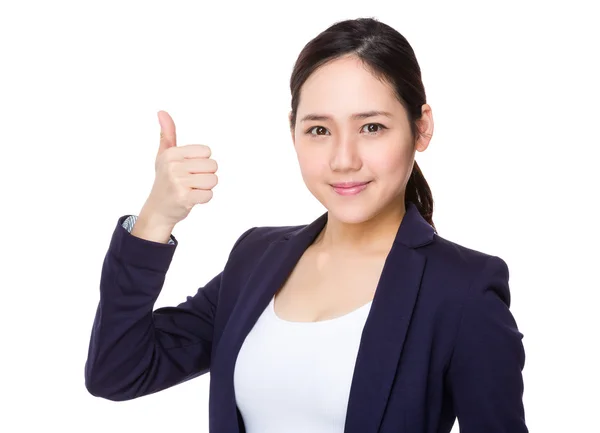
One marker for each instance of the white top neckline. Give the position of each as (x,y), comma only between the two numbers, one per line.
(351,314)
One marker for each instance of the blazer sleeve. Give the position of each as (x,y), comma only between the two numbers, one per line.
(133,350)
(485,371)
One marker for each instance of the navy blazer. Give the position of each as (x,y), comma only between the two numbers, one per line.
(439,343)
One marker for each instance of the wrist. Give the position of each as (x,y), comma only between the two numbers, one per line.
(152,227)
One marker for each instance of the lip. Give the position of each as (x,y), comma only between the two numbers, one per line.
(349,188)
(348,184)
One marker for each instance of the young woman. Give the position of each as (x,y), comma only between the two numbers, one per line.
(363,321)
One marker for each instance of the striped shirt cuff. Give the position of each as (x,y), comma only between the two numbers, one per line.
(130,222)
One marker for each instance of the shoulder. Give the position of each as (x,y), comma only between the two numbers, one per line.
(458,272)
(465,295)
(261,236)
(455,254)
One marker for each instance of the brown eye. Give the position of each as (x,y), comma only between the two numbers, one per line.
(373,128)
(318,130)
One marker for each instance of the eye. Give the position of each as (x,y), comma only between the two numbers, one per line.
(318,130)
(374,128)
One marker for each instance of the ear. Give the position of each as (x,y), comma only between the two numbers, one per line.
(425,127)
(291,128)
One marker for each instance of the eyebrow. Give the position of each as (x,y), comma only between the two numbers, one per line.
(355,116)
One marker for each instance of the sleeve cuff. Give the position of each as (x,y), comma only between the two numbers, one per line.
(130,222)
(140,252)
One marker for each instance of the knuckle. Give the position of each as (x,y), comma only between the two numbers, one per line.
(206,149)
(207,196)
(202,196)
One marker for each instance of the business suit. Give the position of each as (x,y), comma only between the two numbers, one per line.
(439,340)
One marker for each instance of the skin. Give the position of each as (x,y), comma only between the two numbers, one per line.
(342,148)
(339,272)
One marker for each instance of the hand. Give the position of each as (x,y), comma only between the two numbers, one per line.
(185,176)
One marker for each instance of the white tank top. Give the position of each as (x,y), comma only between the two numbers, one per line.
(295,377)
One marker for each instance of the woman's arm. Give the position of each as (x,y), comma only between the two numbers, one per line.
(135,351)
(485,372)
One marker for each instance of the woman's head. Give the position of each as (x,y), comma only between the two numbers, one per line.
(358,114)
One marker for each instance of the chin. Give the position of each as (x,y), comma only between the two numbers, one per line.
(352,214)
(358,209)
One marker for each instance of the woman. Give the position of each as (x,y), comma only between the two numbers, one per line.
(363,321)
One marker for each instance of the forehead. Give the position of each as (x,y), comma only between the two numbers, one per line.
(344,86)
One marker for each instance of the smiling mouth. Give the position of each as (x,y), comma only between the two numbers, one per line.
(349,188)
(348,184)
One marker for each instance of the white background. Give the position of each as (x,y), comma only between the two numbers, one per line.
(512,165)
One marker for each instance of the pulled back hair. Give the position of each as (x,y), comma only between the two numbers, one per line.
(389,56)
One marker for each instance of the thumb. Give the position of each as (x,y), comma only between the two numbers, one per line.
(168,136)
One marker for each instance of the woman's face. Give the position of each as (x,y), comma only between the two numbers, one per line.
(351,128)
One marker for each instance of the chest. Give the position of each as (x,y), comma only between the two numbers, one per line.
(324,286)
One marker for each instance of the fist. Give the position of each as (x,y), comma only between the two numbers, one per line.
(184,177)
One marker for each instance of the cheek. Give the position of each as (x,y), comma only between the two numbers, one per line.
(391,165)
(311,164)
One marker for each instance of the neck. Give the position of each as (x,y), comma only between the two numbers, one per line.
(375,235)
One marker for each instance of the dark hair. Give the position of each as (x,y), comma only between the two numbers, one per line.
(390,57)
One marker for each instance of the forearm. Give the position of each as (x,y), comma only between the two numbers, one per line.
(123,344)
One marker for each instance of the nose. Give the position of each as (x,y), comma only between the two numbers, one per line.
(345,155)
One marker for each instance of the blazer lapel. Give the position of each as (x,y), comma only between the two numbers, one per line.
(272,270)
(387,325)
(383,339)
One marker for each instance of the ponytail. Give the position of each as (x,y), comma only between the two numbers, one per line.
(418,192)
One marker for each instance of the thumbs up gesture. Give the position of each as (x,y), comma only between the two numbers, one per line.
(185,176)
